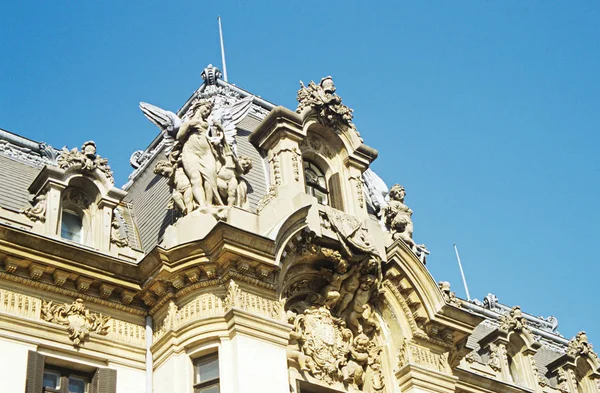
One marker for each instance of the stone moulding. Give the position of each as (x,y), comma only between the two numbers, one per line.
(80,322)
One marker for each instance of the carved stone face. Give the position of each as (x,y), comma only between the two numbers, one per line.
(366,282)
(89,148)
(327,85)
(397,193)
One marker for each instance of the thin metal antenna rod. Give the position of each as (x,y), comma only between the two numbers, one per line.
(462,273)
(222,50)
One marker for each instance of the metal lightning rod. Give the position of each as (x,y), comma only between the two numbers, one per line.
(462,273)
(222,50)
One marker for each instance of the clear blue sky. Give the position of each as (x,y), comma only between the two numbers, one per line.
(487,111)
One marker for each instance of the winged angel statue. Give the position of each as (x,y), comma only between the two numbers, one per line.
(202,166)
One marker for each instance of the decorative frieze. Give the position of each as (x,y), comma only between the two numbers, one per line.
(209,305)
(126,332)
(80,322)
(411,353)
(19,305)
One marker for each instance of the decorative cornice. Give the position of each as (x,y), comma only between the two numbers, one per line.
(71,293)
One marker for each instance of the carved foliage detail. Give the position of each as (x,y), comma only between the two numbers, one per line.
(79,321)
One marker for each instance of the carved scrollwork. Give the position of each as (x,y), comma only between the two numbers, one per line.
(79,321)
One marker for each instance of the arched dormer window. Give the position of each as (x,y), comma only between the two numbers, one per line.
(71,226)
(75,219)
(316,185)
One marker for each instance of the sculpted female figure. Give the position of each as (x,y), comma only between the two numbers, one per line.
(198,156)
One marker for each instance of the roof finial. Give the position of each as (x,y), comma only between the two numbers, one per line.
(210,74)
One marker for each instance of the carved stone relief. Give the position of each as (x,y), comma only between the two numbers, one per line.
(86,159)
(38,211)
(79,321)
(115,234)
(331,302)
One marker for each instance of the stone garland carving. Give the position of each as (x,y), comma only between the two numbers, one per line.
(87,159)
(79,321)
(38,211)
(274,161)
(328,105)
(334,336)
(360,194)
(115,234)
(449,296)
(202,168)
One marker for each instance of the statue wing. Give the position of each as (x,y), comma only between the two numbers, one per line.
(167,121)
(230,116)
(376,190)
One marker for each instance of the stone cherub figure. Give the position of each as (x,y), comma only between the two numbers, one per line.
(397,216)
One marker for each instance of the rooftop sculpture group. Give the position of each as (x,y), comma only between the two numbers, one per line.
(202,166)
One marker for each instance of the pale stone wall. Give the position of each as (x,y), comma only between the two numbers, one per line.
(13,365)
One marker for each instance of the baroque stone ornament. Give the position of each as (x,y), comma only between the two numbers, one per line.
(86,159)
(332,304)
(38,211)
(514,320)
(330,110)
(580,346)
(202,166)
(79,321)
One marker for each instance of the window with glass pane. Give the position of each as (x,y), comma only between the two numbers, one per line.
(71,226)
(206,370)
(315,182)
(64,381)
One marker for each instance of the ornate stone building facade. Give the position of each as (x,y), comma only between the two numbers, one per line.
(252,250)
